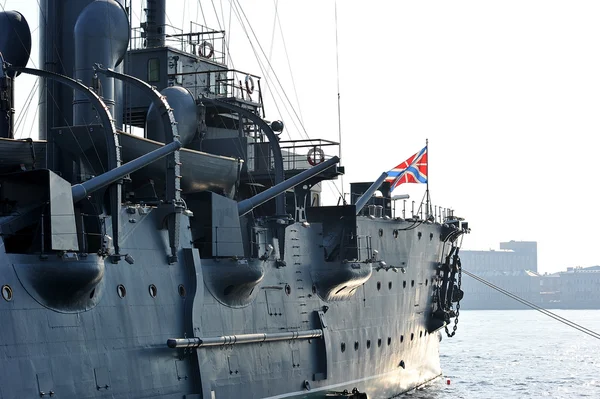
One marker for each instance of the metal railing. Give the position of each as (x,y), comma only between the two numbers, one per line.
(223,83)
(200,41)
(407,209)
(297,154)
(435,213)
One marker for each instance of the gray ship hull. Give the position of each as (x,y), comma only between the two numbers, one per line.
(77,337)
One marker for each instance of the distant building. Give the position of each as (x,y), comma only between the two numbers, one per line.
(513,256)
(513,268)
(580,287)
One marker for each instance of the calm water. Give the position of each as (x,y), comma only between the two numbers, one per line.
(519,354)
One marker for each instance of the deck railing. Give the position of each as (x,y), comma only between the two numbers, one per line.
(297,154)
(200,40)
(408,209)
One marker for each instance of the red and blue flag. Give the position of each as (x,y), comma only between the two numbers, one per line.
(413,170)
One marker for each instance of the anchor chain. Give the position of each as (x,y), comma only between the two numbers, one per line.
(459,283)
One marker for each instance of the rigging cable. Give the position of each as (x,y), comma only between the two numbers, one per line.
(337,66)
(216,14)
(263,69)
(239,13)
(243,19)
(534,306)
(287,56)
(238,142)
(222,13)
(202,11)
(273,31)
(34,119)
(23,115)
(241,10)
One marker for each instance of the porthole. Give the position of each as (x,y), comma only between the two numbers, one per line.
(368,344)
(404,284)
(92,293)
(401,338)
(121,291)
(390,285)
(402,364)
(288,289)
(425,282)
(152,290)
(181,290)
(380,232)
(7,293)
(389,341)
(419,234)
(420,334)
(356,345)
(395,233)
(412,336)
(412,283)
(379,342)
(378,285)
(343,347)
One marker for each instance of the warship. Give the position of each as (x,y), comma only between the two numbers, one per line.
(196,260)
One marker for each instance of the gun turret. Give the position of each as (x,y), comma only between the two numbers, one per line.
(247,205)
(82,190)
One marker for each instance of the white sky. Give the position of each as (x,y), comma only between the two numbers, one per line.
(508,93)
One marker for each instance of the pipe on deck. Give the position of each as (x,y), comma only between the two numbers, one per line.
(242,339)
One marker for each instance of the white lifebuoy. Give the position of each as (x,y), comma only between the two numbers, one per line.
(315,156)
(249,84)
(206,49)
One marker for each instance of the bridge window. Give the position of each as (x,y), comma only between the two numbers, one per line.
(153,70)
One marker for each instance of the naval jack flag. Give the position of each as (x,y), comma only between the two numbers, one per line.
(413,170)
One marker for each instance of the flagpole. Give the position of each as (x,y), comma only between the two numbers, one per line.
(428,200)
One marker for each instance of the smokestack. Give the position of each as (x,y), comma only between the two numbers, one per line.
(57,54)
(155,23)
(101,37)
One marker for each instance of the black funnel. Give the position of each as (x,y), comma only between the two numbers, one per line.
(15,39)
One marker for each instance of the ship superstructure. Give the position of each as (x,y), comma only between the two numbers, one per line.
(195,260)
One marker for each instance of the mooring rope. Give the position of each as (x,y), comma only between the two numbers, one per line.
(534,306)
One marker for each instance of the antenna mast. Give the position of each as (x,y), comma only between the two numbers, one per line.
(337,64)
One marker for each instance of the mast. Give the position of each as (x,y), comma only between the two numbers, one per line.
(337,64)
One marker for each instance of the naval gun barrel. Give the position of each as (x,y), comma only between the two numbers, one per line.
(363,199)
(82,190)
(247,205)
